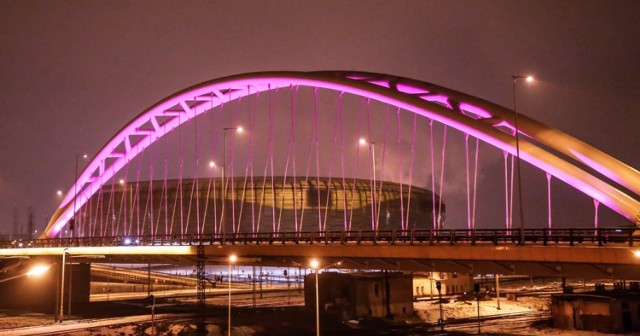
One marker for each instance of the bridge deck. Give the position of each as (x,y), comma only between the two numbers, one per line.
(575,253)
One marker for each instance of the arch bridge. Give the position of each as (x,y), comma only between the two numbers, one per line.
(298,171)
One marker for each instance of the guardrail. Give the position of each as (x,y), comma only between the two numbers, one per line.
(598,237)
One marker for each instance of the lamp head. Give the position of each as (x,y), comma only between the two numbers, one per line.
(527,78)
(239,130)
(37,270)
(314,263)
(212,164)
(233,258)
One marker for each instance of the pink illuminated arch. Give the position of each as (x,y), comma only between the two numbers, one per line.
(618,189)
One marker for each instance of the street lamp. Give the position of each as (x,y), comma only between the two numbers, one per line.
(64,260)
(372,145)
(238,130)
(232,259)
(528,79)
(314,265)
(476,289)
(72,222)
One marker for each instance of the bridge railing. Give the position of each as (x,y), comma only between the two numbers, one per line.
(572,236)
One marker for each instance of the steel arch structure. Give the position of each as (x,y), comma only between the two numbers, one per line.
(549,149)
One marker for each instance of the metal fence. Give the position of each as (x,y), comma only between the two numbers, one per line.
(568,237)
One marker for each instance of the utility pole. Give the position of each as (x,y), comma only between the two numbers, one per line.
(30,224)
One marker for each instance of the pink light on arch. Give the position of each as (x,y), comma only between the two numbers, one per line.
(406,94)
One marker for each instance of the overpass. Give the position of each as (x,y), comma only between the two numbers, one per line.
(574,253)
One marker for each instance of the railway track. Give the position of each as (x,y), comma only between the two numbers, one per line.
(87,324)
(515,321)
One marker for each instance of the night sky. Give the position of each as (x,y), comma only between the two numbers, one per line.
(72,73)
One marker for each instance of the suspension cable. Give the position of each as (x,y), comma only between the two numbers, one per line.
(475,186)
(596,205)
(444,146)
(400,164)
(339,116)
(549,199)
(384,152)
(466,147)
(273,188)
(413,152)
(433,177)
(317,145)
(505,155)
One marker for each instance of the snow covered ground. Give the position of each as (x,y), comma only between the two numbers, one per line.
(426,311)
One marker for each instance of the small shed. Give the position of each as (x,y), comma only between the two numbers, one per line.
(363,294)
(610,312)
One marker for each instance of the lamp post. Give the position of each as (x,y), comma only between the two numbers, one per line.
(498,290)
(372,146)
(315,265)
(64,260)
(72,222)
(476,289)
(152,298)
(72,225)
(529,79)
(232,259)
(224,169)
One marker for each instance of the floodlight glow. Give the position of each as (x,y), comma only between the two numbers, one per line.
(240,130)
(363,141)
(59,192)
(37,270)
(121,181)
(529,79)
(127,241)
(233,258)
(314,263)
(636,253)
(85,156)
(212,164)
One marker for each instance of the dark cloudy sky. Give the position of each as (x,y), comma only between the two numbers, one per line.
(72,73)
